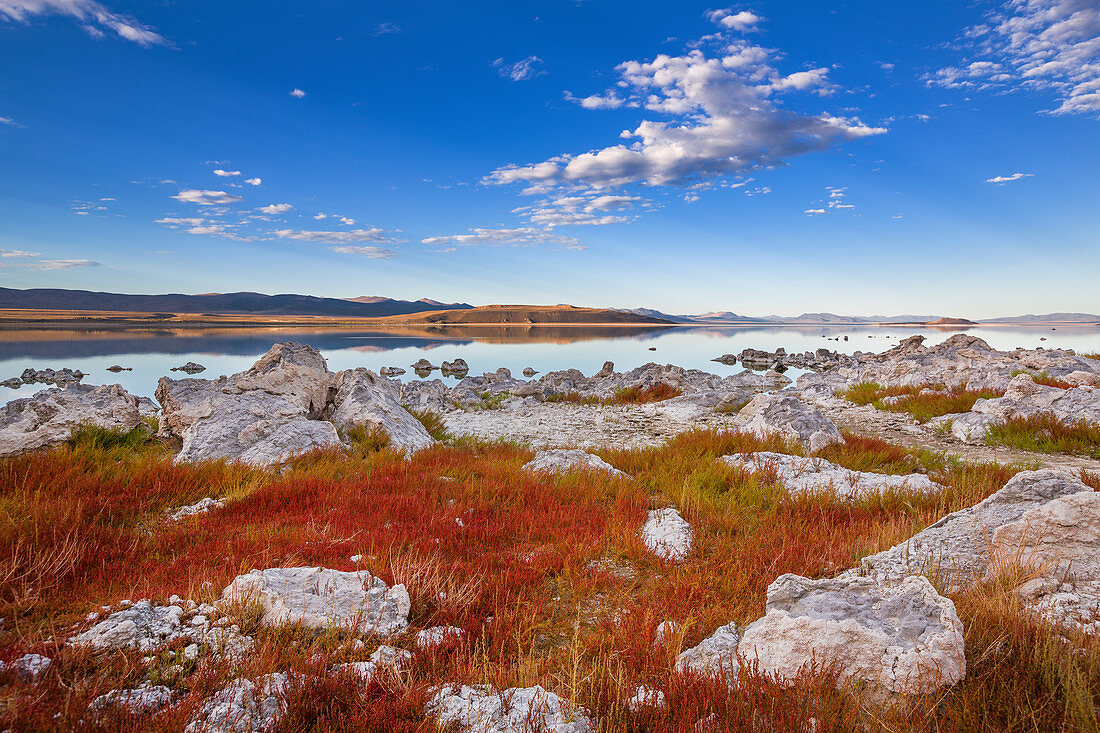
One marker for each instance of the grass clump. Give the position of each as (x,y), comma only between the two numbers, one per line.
(366,437)
(96,438)
(433,422)
(573,398)
(1044,379)
(922,402)
(644,395)
(1045,433)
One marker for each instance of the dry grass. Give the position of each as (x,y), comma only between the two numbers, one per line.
(627,396)
(1045,433)
(923,407)
(546,574)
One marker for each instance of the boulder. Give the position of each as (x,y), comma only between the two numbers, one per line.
(321,598)
(903,638)
(483,709)
(423,365)
(715,655)
(49,416)
(969,427)
(28,667)
(667,535)
(813,475)
(956,549)
(560,461)
(142,626)
(190,368)
(1061,536)
(243,706)
(789,417)
(364,398)
(199,507)
(391,371)
(291,370)
(529,372)
(458,366)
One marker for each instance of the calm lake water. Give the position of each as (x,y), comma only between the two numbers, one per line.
(152,352)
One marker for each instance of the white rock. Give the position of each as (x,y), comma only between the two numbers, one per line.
(364,398)
(436,635)
(646,697)
(559,461)
(790,418)
(1062,536)
(199,507)
(28,667)
(482,709)
(665,633)
(667,535)
(969,427)
(385,657)
(142,626)
(244,706)
(813,475)
(323,598)
(146,699)
(715,655)
(904,638)
(49,416)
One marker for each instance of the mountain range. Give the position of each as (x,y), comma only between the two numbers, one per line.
(826,319)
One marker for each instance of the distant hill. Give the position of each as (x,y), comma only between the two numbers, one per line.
(255,304)
(950,322)
(526,314)
(1067,318)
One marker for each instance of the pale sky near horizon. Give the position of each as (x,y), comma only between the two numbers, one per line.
(767,157)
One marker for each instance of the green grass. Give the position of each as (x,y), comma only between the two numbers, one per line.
(433,422)
(93,437)
(923,407)
(1047,434)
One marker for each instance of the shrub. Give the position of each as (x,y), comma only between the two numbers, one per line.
(923,407)
(1045,433)
(644,395)
(433,422)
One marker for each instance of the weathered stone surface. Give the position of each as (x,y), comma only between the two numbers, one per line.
(199,507)
(956,548)
(789,417)
(322,598)
(423,365)
(482,709)
(715,655)
(812,475)
(969,427)
(291,370)
(142,626)
(1025,398)
(391,371)
(143,700)
(903,638)
(61,377)
(49,416)
(29,667)
(560,461)
(364,398)
(437,635)
(1062,536)
(239,430)
(384,657)
(667,535)
(458,366)
(244,706)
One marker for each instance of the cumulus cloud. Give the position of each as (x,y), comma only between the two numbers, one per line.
(374,253)
(1006,179)
(814,211)
(226,174)
(521,70)
(1045,45)
(96,19)
(374,234)
(518,237)
(206,198)
(253,181)
(719,117)
(589,209)
(276,208)
(347,221)
(743,21)
(297,93)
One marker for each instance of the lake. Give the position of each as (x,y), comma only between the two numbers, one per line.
(153,351)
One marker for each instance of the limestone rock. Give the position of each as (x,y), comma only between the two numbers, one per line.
(116,368)
(142,626)
(482,709)
(364,398)
(715,655)
(436,635)
(28,667)
(322,598)
(391,371)
(1062,536)
(813,475)
(143,700)
(384,657)
(969,427)
(243,706)
(789,417)
(903,638)
(190,368)
(956,548)
(667,535)
(529,372)
(458,366)
(559,461)
(50,416)
(291,370)
(199,507)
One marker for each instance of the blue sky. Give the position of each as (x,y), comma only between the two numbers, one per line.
(773,157)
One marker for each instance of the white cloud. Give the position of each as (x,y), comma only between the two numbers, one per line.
(723,120)
(18,253)
(205,197)
(346,221)
(176,222)
(1048,45)
(253,181)
(521,70)
(518,237)
(743,21)
(814,211)
(226,174)
(276,208)
(1006,179)
(320,216)
(610,100)
(374,234)
(63,264)
(297,93)
(374,253)
(385,29)
(590,209)
(94,17)
(7,121)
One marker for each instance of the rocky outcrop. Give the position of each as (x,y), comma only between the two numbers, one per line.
(458,366)
(814,475)
(715,656)
(143,626)
(50,416)
(956,549)
(391,371)
(202,506)
(321,598)
(904,638)
(61,377)
(364,398)
(780,359)
(788,417)
(667,535)
(483,709)
(189,368)
(562,461)
(243,706)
